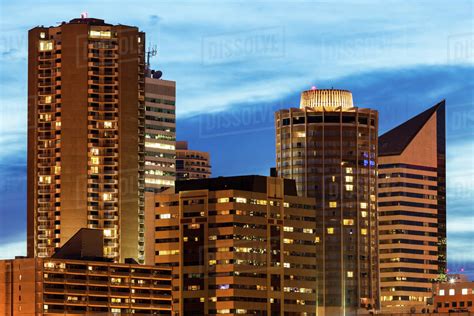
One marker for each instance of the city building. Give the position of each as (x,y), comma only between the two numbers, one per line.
(191,164)
(238,245)
(78,280)
(329,147)
(454,295)
(412,210)
(86,136)
(160,132)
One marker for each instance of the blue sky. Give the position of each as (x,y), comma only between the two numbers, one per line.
(236,62)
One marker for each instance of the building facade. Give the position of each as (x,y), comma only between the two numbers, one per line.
(77,279)
(190,163)
(329,147)
(160,133)
(47,286)
(456,294)
(238,245)
(412,210)
(86,136)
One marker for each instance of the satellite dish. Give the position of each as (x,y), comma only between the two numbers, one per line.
(157,74)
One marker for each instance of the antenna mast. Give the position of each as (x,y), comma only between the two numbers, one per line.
(151,52)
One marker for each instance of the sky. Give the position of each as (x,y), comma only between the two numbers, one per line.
(236,62)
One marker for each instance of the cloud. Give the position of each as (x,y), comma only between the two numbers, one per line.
(11,249)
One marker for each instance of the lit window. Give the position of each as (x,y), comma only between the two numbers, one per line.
(333,178)
(94,169)
(287,241)
(349,187)
(286,204)
(45,179)
(349,178)
(107,232)
(48,99)
(95,160)
(317,239)
(307,230)
(363,214)
(165,216)
(350,274)
(348,170)
(107,196)
(241,200)
(95,151)
(363,205)
(363,231)
(108,124)
(348,222)
(223,200)
(45,307)
(42,35)
(332,204)
(213,237)
(100,34)
(288,229)
(45,46)
(212,262)
(286,265)
(452,292)
(464,291)
(330,230)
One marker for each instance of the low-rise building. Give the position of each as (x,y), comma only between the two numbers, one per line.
(190,163)
(455,295)
(78,280)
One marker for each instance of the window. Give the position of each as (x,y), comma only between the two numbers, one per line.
(165,216)
(288,229)
(348,222)
(441,292)
(241,200)
(100,34)
(45,46)
(317,239)
(42,35)
(349,178)
(307,230)
(330,230)
(95,160)
(363,231)
(349,187)
(223,200)
(363,205)
(349,170)
(452,292)
(363,214)
(350,274)
(108,233)
(464,291)
(107,196)
(333,204)
(48,99)
(108,124)
(94,169)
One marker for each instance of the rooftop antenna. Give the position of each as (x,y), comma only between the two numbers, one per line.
(152,51)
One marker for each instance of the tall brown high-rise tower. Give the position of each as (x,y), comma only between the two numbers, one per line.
(412,210)
(330,148)
(86,136)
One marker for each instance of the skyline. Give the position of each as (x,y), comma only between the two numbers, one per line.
(273,89)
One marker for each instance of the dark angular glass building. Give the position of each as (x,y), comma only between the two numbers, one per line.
(412,209)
